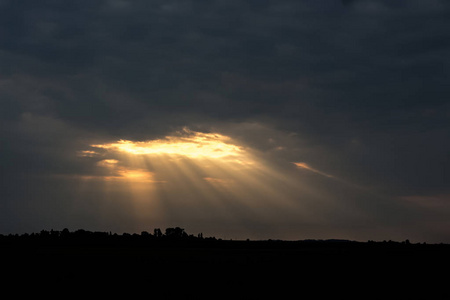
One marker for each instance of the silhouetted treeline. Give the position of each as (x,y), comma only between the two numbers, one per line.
(183,265)
(81,236)
(179,237)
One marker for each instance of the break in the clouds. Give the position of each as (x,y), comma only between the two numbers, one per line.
(342,105)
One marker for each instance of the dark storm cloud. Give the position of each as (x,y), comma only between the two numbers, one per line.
(358,88)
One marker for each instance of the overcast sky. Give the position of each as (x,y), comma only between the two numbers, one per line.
(343,105)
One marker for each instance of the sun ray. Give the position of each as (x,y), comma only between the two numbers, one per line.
(196,175)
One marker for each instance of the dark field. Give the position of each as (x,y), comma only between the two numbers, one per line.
(183,266)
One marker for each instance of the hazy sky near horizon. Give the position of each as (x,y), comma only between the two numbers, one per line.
(239,119)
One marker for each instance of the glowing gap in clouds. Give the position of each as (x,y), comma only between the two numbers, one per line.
(189,143)
(129,160)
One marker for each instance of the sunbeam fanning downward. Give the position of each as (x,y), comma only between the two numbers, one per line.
(206,177)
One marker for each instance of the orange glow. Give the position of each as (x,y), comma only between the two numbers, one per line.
(87,153)
(188,143)
(136,175)
(121,173)
(189,172)
(176,156)
(305,166)
(109,163)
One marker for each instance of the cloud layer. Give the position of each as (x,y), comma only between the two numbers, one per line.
(357,90)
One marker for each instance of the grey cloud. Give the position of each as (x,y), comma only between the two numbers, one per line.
(301,62)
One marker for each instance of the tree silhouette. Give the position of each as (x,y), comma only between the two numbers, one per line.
(157,232)
(175,233)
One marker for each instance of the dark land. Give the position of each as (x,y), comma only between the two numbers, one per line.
(174,264)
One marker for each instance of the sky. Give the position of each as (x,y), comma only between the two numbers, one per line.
(260,119)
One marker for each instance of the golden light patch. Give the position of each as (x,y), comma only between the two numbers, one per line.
(305,166)
(134,175)
(188,143)
(302,165)
(108,163)
(185,151)
(87,153)
(122,173)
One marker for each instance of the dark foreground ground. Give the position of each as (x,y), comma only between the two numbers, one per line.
(142,266)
